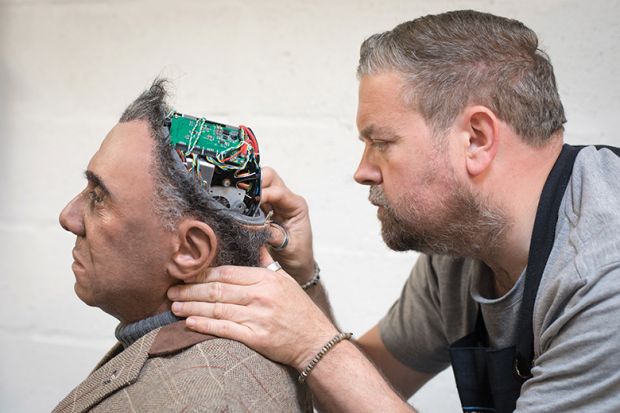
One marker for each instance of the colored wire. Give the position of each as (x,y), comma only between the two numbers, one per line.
(201,124)
(253,140)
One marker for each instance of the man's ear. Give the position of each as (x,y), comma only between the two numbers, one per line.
(195,249)
(481,128)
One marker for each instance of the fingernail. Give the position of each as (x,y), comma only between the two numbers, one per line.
(190,322)
(172,293)
(176,307)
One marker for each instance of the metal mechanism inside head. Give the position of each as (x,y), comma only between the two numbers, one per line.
(226,160)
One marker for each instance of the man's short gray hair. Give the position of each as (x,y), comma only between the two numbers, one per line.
(180,195)
(454,59)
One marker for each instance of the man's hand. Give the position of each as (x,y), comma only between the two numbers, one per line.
(263,309)
(290,212)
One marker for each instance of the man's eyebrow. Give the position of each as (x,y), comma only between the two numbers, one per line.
(96,181)
(367,132)
(372,131)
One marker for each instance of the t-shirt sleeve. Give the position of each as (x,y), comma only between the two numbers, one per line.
(413,328)
(578,368)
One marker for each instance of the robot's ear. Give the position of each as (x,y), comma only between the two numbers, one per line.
(224,158)
(196,249)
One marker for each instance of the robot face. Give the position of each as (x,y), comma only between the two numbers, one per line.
(225,159)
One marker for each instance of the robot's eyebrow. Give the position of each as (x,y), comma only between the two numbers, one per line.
(96,181)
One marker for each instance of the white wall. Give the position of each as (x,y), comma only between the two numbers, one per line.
(68,68)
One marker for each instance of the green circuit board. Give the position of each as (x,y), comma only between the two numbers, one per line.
(213,137)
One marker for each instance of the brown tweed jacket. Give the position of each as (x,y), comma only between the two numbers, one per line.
(173,369)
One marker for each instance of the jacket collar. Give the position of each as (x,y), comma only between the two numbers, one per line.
(174,338)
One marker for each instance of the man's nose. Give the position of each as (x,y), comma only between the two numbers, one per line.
(71,217)
(367,173)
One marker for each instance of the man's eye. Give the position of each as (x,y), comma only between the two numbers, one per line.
(379,145)
(94,198)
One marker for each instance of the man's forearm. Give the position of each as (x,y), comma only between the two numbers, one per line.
(345,381)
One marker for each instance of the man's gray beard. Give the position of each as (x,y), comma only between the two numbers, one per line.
(461,226)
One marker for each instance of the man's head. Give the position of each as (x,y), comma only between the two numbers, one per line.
(437,96)
(143,222)
(460,58)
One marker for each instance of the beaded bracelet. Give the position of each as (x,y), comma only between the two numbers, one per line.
(330,344)
(315,278)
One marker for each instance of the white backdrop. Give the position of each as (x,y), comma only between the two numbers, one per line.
(68,68)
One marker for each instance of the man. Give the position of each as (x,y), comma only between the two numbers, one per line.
(142,224)
(518,286)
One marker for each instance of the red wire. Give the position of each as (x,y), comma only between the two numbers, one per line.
(232,156)
(253,140)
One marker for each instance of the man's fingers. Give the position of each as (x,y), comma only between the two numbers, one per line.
(270,177)
(277,235)
(228,274)
(220,328)
(210,292)
(215,311)
(283,202)
(265,258)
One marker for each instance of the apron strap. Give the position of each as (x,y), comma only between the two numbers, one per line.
(541,244)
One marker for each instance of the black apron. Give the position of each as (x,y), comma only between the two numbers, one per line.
(488,379)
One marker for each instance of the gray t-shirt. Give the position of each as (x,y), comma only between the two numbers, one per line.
(576,318)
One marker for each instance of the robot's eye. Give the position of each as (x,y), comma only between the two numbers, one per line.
(225,158)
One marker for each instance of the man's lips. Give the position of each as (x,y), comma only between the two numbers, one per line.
(77,264)
(376,197)
(74,255)
(372,199)
(377,204)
